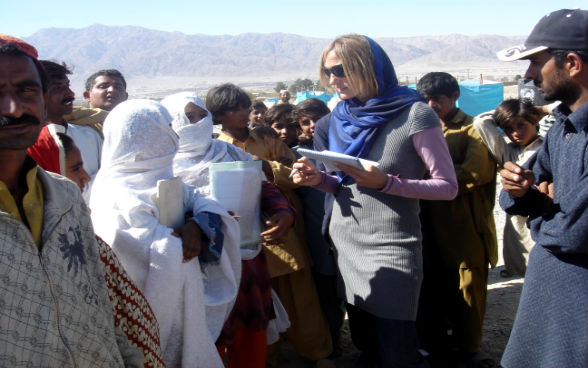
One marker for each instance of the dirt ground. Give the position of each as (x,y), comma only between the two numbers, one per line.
(501,307)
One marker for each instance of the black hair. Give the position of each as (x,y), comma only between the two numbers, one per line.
(226,97)
(312,108)
(113,73)
(13,50)
(55,70)
(259,105)
(516,108)
(279,111)
(559,55)
(68,143)
(438,83)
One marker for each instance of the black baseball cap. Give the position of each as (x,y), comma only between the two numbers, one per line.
(565,29)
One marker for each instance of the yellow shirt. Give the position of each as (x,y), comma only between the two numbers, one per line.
(271,149)
(32,201)
(462,231)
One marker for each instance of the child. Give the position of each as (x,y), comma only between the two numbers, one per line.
(306,114)
(279,118)
(288,261)
(74,165)
(258,110)
(519,120)
(459,237)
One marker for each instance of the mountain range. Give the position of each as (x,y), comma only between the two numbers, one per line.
(154,60)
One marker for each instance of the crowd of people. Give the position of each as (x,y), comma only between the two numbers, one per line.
(132,235)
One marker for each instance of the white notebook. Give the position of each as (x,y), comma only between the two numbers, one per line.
(169,200)
(329,158)
(237,187)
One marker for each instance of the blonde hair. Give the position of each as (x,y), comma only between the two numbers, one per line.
(358,64)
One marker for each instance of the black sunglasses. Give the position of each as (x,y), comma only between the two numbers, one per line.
(336,70)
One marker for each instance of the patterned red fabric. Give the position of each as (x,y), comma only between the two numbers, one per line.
(131,310)
(254,307)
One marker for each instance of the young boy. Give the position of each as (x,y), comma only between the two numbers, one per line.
(256,115)
(459,237)
(280,119)
(307,113)
(519,120)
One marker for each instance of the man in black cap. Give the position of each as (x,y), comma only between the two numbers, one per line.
(551,326)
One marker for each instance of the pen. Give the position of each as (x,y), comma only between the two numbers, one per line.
(293,172)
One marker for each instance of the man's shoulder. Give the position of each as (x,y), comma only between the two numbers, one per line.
(51,178)
(92,132)
(463,123)
(224,137)
(58,188)
(578,118)
(421,112)
(86,115)
(462,118)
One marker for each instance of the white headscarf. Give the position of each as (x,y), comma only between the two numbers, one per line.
(191,305)
(197,148)
(141,144)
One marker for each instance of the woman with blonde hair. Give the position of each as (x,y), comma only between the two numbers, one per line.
(371,215)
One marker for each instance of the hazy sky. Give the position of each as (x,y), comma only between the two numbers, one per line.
(314,18)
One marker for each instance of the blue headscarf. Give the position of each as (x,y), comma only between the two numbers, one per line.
(355,125)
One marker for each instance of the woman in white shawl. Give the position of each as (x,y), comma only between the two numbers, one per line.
(244,335)
(191,297)
(197,150)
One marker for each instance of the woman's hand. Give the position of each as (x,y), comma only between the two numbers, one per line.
(191,239)
(279,224)
(307,174)
(372,177)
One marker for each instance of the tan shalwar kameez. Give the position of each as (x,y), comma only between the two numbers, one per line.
(459,241)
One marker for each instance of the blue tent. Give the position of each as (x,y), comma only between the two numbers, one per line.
(325,97)
(476,98)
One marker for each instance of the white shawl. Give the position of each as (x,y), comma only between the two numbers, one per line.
(197,148)
(191,305)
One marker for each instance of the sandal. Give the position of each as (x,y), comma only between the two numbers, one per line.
(505,274)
